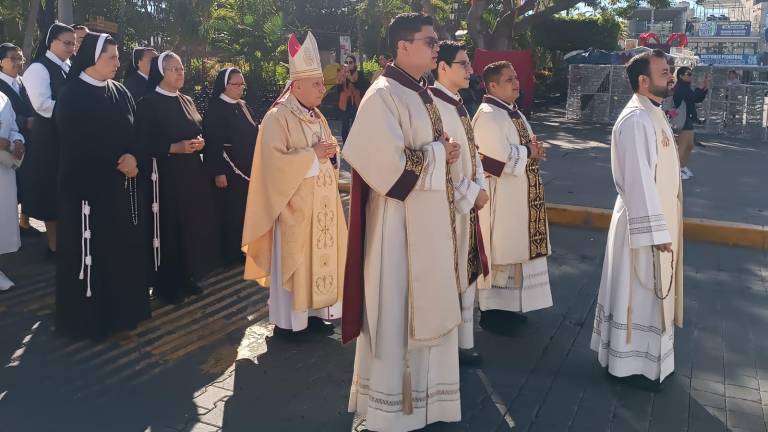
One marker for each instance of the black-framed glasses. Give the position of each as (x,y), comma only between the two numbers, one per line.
(688,74)
(68,44)
(464,63)
(16,58)
(429,41)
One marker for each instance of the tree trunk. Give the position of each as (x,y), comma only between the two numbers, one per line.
(30,28)
(477,27)
(66,12)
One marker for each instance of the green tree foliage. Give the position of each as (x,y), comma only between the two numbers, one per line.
(564,33)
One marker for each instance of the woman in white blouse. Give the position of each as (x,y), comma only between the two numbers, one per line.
(12,147)
(44,79)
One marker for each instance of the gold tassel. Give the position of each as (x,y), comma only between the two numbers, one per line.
(629,324)
(518,269)
(407,395)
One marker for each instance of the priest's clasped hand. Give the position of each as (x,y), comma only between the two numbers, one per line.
(325,149)
(665,247)
(537,149)
(127,165)
(481,200)
(451,148)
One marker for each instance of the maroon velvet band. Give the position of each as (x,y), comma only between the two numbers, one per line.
(492,166)
(354,294)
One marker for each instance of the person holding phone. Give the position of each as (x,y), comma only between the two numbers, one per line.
(170,133)
(352,85)
(684,93)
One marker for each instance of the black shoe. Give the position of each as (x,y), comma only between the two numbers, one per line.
(469,357)
(29,232)
(640,382)
(289,334)
(194,288)
(501,322)
(318,325)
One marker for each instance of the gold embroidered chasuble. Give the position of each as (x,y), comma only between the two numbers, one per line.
(308,209)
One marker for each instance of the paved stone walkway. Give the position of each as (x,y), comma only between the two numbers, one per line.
(729,183)
(211,364)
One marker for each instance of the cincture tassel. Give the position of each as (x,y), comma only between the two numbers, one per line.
(86,261)
(407,388)
(156,213)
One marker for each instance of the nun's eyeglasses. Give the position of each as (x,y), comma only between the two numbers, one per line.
(67,44)
(175,69)
(237,84)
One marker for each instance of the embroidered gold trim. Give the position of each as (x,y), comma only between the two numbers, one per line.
(414,161)
(474,267)
(538,244)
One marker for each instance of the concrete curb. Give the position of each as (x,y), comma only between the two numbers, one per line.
(705,230)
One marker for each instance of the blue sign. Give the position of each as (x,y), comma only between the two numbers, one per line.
(725,29)
(728,59)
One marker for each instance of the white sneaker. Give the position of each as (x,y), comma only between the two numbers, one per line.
(5,283)
(684,175)
(688,171)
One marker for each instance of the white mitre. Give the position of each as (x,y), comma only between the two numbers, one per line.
(304,60)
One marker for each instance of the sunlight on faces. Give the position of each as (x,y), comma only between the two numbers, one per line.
(13,63)
(64,45)
(508,86)
(107,65)
(456,75)
(173,70)
(661,81)
(309,91)
(235,87)
(421,52)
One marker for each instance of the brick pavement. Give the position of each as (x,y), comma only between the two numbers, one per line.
(212,365)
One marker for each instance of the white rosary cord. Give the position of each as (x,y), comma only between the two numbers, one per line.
(86,261)
(234,168)
(156,213)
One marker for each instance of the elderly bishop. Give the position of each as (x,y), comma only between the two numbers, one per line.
(295,234)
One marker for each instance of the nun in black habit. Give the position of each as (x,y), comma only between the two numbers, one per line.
(170,133)
(137,73)
(230,130)
(100,270)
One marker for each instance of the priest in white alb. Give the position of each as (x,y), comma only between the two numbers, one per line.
(514,224)
(641,289)
(295,235)
(401,293)
(452,74)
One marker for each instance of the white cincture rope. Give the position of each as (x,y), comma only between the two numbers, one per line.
(85,245)
(156,212)
(234,168)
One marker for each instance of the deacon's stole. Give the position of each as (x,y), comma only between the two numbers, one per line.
(538,235)
(429,318)
(477,262)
